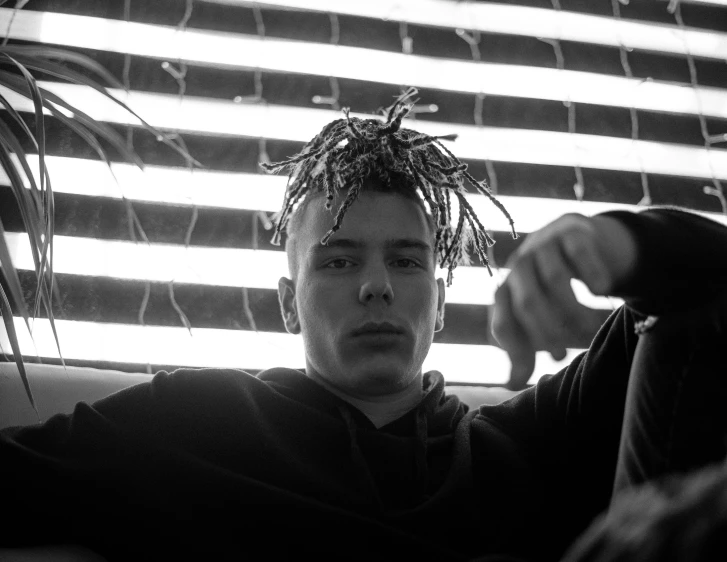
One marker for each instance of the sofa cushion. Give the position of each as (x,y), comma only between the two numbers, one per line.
(56,390)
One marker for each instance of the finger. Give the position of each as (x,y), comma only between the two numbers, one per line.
(581,251)
(512,338)
(522,367)
(570,321)
(554,275)
(531,284)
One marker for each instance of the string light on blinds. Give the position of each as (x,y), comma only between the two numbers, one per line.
(207,347)
(239,51)
(490,17)
(260,192)
(220,117)
(229,267)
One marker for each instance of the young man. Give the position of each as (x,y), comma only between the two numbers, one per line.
(362,456)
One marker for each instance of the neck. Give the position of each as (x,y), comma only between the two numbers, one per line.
(380,409)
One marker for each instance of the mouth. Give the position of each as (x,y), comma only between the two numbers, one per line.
(377,329)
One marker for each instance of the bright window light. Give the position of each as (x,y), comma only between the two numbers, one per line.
(161,184)
(219,117)
(229,267)
(722,3)
(208,347)
(522,20)
(239,51)
(260,192)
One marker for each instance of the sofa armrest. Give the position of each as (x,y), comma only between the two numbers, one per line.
(56,390)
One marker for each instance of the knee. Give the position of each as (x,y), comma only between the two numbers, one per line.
(681,518)
(705,313)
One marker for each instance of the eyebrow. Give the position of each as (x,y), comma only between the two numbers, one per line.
(394,244)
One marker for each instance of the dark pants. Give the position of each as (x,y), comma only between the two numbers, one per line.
(676,405)
(666,505)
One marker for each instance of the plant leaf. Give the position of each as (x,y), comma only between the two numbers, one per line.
(11,277)
(35,224)
(101,129)
(32,88)
(46,271)
(50,224)
(7,315)
(37,203)
(30,218)
(13,113)
(84,125)
(39,245)
(43,267)
(71,75)
(60,71)
(37,54)
(39,118)
(10,140)
(82,132)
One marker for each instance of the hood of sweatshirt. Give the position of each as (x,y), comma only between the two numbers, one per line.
(442,411)
(401,465)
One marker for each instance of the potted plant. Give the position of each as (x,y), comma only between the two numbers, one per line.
(20,68)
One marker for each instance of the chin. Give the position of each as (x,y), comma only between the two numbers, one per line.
(384,378)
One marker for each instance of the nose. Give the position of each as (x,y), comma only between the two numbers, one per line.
(376,286)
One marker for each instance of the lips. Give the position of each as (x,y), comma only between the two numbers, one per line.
(377,328)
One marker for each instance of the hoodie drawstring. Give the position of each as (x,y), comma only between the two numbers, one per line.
(422,437)
(362,468)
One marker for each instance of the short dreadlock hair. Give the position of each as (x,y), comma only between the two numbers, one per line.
(349,151)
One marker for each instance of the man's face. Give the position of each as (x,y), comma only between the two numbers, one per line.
(367,303)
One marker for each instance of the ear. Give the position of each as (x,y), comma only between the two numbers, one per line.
(288,308)
(439,323)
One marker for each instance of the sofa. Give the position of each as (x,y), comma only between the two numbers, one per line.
(57,390)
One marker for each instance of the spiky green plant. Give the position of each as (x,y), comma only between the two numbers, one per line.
(20,65)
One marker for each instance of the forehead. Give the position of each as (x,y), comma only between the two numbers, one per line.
(373,219)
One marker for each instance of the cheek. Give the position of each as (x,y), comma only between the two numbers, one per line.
(317,307)
(421,299)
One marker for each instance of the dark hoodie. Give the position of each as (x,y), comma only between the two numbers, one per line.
(218,464)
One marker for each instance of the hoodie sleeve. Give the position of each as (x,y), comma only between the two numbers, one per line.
(567,427)
(62,466)
(45,465)
(681,262)
(681,259)
(566,431)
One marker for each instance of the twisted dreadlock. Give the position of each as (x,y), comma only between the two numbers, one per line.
(348,151)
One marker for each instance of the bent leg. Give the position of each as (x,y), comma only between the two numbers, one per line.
(676,405)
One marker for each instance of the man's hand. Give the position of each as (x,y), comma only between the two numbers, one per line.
(535,308)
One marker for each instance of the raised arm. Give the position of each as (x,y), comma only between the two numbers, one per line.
(653,260)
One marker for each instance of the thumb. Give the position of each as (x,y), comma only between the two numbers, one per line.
(523,365)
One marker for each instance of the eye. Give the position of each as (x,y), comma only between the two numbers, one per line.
(406,263)
(338,263)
